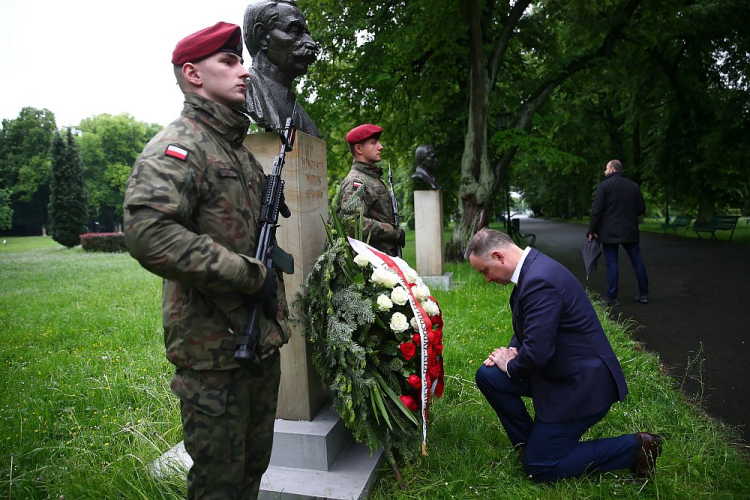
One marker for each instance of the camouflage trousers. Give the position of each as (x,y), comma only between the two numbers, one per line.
(227,423)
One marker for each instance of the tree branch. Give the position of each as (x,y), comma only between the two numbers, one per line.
(504,40)
(582,62)
(539,95)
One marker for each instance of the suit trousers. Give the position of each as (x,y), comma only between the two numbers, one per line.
(610,256)
(552,450)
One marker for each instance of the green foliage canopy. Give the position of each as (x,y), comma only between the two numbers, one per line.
(25,166)
(660,85)
(385,63)
(109,146)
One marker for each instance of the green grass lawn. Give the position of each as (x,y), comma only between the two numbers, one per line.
(741,233)
(85,405)
(27,243)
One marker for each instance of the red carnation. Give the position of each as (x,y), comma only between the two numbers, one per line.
(408,349)
(437,337)
(414,381)
(409,402)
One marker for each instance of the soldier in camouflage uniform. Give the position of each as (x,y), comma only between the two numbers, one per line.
(363,191)
(191,208)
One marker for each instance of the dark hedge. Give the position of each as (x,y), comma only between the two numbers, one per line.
(103,242)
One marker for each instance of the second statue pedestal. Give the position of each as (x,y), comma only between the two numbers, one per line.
(428,221)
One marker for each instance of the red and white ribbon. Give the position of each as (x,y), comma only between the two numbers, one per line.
(399,267)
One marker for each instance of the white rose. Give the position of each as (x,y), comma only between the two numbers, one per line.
(422,292)
(399,296)
(399,323)
(431,308)
(384,303)
(411,275)
(361,260)
(383,276)
(414,324)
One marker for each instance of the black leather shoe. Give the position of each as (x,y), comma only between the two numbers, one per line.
(649,449)
(609,301)
(643,299)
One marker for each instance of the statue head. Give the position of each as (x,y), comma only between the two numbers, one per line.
(426,158)
(277,31)
(426,165)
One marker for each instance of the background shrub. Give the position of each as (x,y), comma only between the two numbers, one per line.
(103,242)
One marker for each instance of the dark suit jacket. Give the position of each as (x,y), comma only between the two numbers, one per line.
(617,205)
(562,348)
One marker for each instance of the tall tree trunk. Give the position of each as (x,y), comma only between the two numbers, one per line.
(478,178)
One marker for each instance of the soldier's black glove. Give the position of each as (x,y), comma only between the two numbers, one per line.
(268,295)
(402,238)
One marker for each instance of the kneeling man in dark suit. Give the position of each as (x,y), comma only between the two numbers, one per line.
(560,357)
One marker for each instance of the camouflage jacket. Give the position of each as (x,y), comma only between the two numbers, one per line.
(191,208)
(374,203)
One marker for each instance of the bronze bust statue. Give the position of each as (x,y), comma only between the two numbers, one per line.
(281,47)
(426,164)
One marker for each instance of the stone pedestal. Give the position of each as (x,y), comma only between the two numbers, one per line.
(428,221)
(306,192)
(314,455)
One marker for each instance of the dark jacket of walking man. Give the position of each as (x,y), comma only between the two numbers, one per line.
(191,214)
(560,357)
(614,220)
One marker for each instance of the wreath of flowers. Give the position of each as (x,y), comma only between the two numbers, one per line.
(376,338)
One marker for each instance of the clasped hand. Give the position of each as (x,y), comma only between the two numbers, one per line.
(500,357)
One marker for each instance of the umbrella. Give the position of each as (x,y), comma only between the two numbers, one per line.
(591,251)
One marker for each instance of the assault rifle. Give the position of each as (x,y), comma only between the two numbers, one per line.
(266,251)
(394,204)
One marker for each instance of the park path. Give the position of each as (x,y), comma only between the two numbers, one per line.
(699,309)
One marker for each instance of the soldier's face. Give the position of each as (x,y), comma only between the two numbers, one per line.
(370,150)
(223,79)
(290,46)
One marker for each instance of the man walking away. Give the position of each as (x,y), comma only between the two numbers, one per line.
(614,220)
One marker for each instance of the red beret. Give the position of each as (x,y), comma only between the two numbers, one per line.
(359,134)
(221,37)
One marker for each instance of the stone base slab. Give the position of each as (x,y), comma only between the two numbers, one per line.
(443,282)
(310,460)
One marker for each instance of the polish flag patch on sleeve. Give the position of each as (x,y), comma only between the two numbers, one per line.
(176,152)
(356,184)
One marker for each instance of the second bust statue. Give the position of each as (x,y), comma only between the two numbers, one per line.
(426,164)
(280,44)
